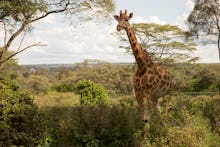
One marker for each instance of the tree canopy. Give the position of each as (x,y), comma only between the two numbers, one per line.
(204,19)
(165,43)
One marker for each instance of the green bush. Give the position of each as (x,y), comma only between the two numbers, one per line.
(35,84)
(212,112)
(21,122)
(192,121)
(91,93)
(104,126)
(63,87)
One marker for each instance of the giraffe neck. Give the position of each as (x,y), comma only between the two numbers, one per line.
(143,60)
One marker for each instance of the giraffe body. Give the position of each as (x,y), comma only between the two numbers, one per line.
(150,81)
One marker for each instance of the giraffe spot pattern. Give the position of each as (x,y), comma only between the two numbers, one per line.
(150,81)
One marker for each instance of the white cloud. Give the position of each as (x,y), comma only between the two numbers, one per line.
(69,44)
(156,19)
(151,19)
(207,53)
(181,21)
(189,4)
(138,19)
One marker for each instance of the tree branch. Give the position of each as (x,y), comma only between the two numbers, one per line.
(7,45)
(19,51)
(21,41)
(50,12)
(5,30)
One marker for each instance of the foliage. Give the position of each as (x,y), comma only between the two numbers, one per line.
(208,80)
(204,19)
(117,125)
(58,99)
(212,112)
(21,122)
(35,84)
(11,70)
(63,87)
(114,77)
(91,93)
(166,44)
(204,16)
(195,77)
(62,73)
(185,125)
(192,121)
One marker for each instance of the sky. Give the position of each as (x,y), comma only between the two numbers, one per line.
(67,44)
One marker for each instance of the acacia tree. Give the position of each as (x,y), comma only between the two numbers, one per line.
(204,19)
(17,16)
(166,44)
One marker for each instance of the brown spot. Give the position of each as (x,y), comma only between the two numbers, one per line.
(143,70)
(166,77)
(163,82)
(150,71)
(136,53)
(151,79)
(164,88)
(148,86)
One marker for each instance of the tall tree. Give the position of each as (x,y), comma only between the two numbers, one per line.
(167,44)
(17,16)
(204,19)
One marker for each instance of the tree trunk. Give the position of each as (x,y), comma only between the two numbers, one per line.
(219,44)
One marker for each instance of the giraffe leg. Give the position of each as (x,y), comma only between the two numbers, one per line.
(147,105)
(140,99)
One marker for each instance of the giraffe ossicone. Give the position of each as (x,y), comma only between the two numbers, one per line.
(150,81)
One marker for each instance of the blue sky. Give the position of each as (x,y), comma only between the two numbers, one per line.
(71,44)
(165,9)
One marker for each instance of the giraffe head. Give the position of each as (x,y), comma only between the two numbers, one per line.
(123,20)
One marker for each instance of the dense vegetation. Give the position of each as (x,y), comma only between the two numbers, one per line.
(92,105)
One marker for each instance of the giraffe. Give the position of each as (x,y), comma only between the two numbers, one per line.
(150,81)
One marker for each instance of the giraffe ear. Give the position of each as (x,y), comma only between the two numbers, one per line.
(130,15)
(116,17)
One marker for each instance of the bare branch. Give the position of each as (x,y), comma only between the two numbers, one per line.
(19,51)
(21,41)
(50,12)
(5,30)
(13,36)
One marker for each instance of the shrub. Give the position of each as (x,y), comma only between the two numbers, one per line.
(192,121)
(35,84)
(212,112)
(91,93)
(105,126)
(21,122)
(63,87)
